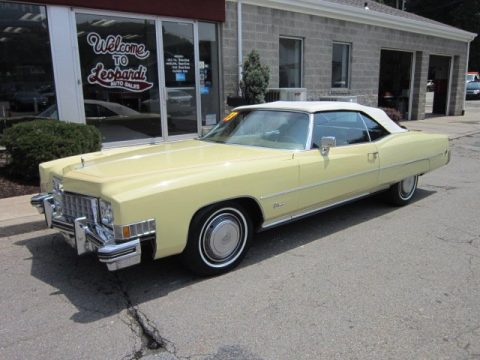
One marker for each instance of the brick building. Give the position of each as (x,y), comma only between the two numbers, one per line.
(152,71)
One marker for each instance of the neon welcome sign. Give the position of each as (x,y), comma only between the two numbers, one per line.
(121,76)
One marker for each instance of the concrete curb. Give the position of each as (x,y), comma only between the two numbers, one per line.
(17,210)
(464,135)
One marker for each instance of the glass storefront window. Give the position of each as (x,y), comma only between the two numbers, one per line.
(290,66)
(209,73)
(118,59)
(26,75)
(340,65)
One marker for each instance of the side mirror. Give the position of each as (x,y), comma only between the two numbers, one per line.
(326,143)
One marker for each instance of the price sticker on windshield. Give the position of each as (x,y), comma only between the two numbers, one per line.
(230,116)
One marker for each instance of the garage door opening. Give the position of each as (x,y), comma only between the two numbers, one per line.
(436,101)
(395,81)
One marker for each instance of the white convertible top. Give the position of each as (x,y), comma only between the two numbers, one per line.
(316,106)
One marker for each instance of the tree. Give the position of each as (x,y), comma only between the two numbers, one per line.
(399,4)
(255,79)
(463,14)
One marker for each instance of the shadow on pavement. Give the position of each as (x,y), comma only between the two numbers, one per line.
(98,293)
(24,228)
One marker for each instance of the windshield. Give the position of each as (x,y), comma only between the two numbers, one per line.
(471,77)
(264,128)
(473,85)
(49,113)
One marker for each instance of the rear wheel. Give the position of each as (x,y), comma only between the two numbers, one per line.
(402,192)
(218,239)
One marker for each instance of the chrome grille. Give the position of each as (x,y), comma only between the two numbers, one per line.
(77,206)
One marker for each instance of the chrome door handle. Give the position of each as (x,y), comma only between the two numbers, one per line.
(373,155)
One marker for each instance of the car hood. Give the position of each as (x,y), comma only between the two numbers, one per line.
(158,164)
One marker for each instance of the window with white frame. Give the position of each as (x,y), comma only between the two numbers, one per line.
(341,65)
(290,62)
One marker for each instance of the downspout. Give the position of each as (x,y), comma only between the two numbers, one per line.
(450,82)
(464,79)
(239,46)
(412,85)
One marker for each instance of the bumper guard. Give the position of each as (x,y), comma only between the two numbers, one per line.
(85,237)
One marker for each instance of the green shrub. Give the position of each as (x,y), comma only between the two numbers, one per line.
(255,79)
(31,143)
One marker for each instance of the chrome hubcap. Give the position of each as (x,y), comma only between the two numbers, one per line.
(407,186)
(223,238)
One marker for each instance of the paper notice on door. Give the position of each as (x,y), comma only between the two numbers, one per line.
(210,119)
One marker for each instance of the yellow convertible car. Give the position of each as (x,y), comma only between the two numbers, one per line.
(262,166)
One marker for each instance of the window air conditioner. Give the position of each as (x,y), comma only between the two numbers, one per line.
(352,99)
(286,94)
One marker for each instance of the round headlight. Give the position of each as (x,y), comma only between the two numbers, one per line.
(106,213)
(57,184)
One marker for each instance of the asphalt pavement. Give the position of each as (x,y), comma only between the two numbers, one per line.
(365,281)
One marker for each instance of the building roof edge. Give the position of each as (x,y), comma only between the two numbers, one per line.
(359,15)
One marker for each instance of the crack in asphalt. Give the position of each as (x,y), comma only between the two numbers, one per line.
(466,345)
(461,237)
(140,325)
(470,268)
(470,241)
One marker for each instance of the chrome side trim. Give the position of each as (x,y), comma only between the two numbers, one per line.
(233,199)
(307,213)
(411,162)
(311,186)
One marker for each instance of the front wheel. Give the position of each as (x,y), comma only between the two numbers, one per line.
(402,192)
(218,239)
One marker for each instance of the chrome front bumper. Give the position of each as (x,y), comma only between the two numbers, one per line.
(85,238)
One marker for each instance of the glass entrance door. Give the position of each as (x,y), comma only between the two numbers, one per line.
(180,80)
(146,79)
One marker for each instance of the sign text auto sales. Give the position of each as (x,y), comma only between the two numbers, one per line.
(121,76)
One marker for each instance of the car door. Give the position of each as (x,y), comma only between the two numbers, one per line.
(349,170)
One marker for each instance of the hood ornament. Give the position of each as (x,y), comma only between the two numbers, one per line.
(83,161)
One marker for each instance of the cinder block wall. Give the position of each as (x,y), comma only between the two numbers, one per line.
(262,28)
